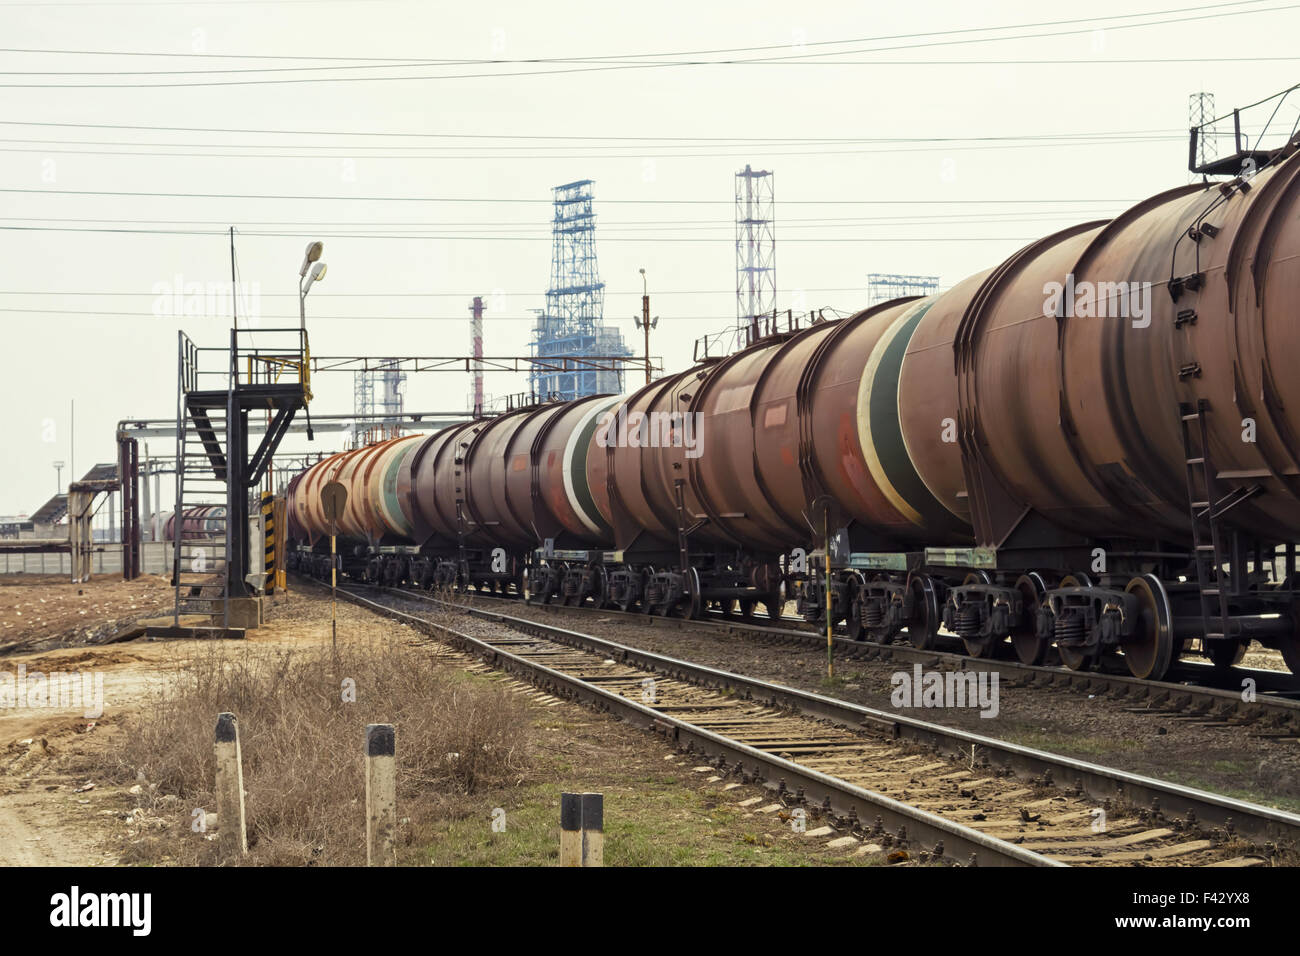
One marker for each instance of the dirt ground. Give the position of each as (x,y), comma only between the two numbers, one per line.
(66,797)
(39,612)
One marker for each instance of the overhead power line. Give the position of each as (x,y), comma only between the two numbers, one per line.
(705,140)
(951,218)
(149,314)
(642,63)
(649,154)
(499,199)
(502,238)
(633,143)
(819,44)
(411,295)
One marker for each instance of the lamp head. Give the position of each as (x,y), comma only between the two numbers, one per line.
(314,250)
(316,273)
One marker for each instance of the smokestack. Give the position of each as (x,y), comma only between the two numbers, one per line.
(476,341)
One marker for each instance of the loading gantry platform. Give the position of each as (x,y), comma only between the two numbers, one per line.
(263,370)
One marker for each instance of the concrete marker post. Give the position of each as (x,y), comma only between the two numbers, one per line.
(232,837)
(593,829)
(381,795)
(582,829)
(570,829)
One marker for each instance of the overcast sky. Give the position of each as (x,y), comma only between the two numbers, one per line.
(941,155)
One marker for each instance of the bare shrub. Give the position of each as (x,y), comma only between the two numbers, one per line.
(302,745)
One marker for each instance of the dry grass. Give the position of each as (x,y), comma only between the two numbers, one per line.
(302,748)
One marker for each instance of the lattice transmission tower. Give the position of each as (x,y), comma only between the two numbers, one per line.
(755,248)
(1200,111)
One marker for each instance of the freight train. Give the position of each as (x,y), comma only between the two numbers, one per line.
(1090,447)
(201,521)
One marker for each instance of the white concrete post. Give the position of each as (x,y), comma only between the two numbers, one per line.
(381,795)
(232,837)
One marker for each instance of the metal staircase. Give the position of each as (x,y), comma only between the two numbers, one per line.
(199,570)
(213,465)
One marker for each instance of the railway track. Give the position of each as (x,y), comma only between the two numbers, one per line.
(1202,694)
(944,794)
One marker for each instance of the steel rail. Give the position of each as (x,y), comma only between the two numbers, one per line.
(1187,806)
(846,802)
(1216,701)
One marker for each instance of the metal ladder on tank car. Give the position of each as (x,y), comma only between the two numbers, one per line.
(1206,508)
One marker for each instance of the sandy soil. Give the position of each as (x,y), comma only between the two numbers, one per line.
(54,809)
(38,612)
(55,806)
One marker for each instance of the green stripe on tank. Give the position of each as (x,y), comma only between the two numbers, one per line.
(391,501)
(578,466)
(887,430)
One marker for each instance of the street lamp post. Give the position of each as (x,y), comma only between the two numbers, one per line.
(645,322)
(313,270)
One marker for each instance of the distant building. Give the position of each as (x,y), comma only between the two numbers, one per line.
(885,287)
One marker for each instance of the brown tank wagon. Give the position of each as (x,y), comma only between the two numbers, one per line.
(1119,430)
(200,521)
(1090,448)
(480,498)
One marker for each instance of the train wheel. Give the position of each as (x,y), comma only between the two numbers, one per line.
(1290,645)
(746,611)
(728,609)
(1226,654)
(1030,648)
(1073,658)
(923,632)
(600,584)
(1152,651)
(695,595)
(1291,653)
(775,604)
(853,625)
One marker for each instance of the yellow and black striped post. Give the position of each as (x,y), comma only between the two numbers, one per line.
(268,540)
(281,514)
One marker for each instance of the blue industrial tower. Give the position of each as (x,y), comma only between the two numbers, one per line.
(573,323)
(885,287)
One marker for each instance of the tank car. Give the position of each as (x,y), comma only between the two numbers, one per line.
(1088,450)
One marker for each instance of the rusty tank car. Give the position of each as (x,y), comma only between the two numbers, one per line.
(1090,449)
